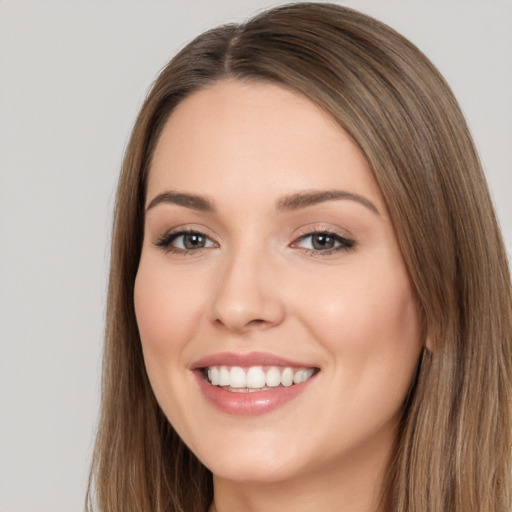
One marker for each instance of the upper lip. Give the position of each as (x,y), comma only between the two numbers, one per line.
(246,360)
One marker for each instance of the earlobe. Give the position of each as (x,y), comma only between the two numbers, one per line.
(429,345)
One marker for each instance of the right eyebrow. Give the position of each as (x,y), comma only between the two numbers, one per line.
(192,201)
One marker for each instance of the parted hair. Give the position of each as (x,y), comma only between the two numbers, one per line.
(453,447)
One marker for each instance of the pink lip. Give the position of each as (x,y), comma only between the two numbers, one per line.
(246,360)
(248,404)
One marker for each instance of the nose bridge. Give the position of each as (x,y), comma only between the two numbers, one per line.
(245,297)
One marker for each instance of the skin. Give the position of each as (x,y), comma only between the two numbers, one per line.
(259,286)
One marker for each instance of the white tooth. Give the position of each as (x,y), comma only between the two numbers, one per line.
(213,375)
(273,377)
(237,378)
(287,377)
(299,376)
(223,376)
(309,373)
(255,377)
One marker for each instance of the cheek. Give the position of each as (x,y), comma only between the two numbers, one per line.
(369,323)
(373,334)
(166,309)
(384,314)
(167,317)
(361,306)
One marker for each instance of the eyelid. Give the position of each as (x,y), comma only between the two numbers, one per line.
(344,242)
(164,241)
(310,229)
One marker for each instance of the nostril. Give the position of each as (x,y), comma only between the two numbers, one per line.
(255,324)
(258,323)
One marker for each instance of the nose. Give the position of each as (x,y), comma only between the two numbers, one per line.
(247,295)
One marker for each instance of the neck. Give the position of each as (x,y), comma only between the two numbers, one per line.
(354,486)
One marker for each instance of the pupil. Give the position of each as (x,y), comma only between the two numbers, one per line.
(193,241)
(323,242)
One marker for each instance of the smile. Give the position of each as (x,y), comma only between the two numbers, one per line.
(253,383)
(255,378)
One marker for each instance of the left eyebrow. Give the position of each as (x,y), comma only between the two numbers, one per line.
(310,198)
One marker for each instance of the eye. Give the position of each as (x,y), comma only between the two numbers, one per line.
(325,242)
(185,241)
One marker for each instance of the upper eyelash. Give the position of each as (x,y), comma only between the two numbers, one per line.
(345,243)
(165,240)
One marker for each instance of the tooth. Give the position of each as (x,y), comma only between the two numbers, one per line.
(299,376)
(287,377)
(273,377)
(302,375)
(309,373)
(255,377)
(213,375)
(237,378)
(223,376)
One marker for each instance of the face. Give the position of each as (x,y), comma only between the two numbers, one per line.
(279,327)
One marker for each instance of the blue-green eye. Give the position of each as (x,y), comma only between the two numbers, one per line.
(184,241)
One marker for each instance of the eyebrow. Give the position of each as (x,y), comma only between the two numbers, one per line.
(287,203)
(192,201)
(310,198)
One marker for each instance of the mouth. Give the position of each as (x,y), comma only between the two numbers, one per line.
(252,379)
(252,384)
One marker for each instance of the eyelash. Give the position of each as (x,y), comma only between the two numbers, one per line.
(344,244)
(166,240)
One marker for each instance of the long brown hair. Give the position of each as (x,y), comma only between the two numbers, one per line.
(453,448)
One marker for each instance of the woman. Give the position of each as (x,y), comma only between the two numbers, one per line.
(309,302)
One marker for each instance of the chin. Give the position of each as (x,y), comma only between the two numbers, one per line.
(253,465)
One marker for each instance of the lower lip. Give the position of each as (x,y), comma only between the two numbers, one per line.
(249,404)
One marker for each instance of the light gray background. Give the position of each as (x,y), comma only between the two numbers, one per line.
(72,76)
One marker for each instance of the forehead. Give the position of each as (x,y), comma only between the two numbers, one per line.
(258,136)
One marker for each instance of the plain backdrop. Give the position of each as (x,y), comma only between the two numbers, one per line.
(72,77)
